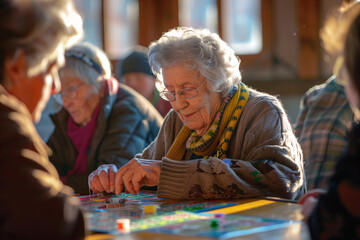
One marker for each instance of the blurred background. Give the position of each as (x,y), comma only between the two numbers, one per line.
(277,40)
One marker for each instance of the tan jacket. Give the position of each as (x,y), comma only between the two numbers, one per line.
(265,158)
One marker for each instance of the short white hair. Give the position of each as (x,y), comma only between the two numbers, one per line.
(198,49)
(87,62)
(42,28)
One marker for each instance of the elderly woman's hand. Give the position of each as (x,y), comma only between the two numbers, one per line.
(103,178)
(137,173)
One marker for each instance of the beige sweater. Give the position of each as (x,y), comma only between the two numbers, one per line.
(265,158)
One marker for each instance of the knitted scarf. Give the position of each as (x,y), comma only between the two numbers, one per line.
(220,134)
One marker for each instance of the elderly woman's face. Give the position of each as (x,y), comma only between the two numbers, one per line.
(196,113)
(80,99)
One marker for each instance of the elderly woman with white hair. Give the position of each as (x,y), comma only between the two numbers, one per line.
(102,121)
(222,139)
(34,203)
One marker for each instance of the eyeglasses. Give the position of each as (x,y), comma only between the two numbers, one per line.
(70,92)
(186,93)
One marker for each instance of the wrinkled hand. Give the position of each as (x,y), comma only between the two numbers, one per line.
(138,172)
(309,201)
(103,179)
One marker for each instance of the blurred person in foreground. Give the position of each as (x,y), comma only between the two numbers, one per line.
(102,121)
(34,204)
(323,127)
(136,73)
(221,140)
(335,213)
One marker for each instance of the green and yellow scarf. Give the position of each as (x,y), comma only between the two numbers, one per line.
(215,142)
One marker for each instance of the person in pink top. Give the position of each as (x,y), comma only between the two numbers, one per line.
(102,121)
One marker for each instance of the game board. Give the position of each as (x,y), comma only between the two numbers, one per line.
(184,218)
(101,218)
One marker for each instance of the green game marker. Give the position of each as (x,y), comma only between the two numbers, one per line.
(214,223)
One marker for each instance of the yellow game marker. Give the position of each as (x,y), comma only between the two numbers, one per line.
(97,199)
(150,209)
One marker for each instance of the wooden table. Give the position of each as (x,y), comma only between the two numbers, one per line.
(267,208)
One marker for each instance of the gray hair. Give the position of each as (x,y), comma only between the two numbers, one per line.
(197,49)
(87,62)
(42,28)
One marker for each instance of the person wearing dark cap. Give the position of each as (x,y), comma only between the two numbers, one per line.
(136,73)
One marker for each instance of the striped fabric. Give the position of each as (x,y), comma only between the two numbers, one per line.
(322,128)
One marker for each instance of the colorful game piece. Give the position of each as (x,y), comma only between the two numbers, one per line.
(97,199)
(95,196)
(123,225)
(113,205)
(150,209)
(102,206)
(221,217)
(114,200)
(214,223)
(136,213)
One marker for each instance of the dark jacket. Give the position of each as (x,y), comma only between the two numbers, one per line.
(127,123)
(34,204)
(337,214)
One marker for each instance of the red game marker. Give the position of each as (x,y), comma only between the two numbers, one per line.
(123,225)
